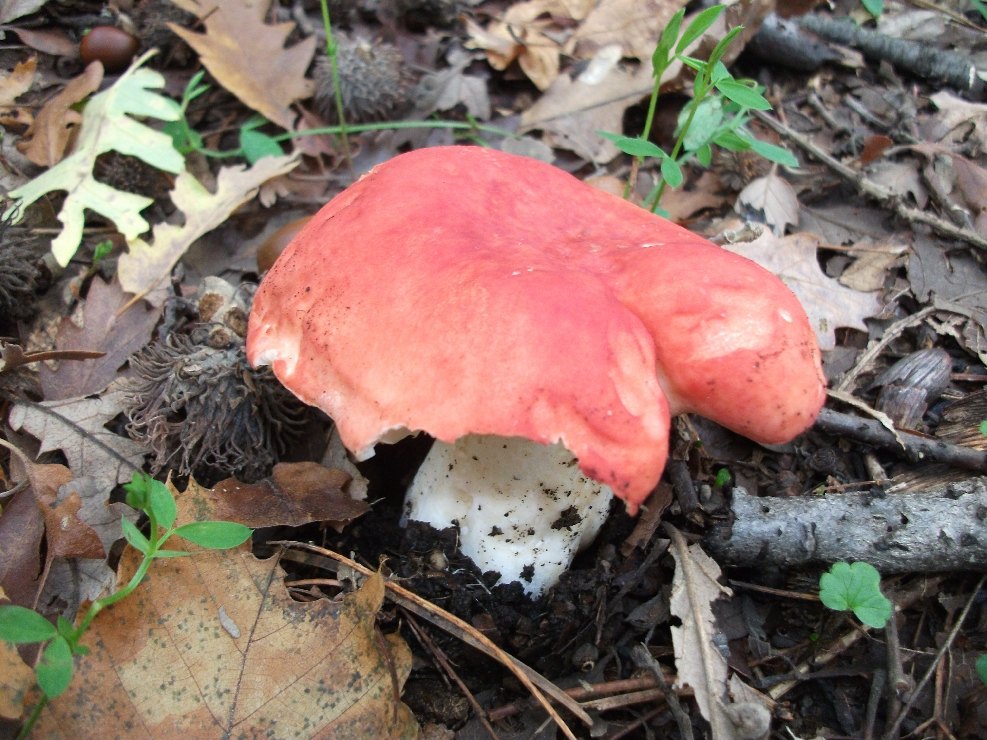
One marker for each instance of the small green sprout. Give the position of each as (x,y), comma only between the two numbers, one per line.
(19,625)
(856,587)
(981,666)
(874,7)
(983,427)
(723,477)
(717,115)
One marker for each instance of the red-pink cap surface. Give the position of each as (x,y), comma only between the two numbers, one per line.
(460,290)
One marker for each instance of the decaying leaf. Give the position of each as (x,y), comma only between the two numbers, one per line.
(167,660)
(828,304)
(248,57)
(772,197)
(295,494)
(146,266)
(632,24)
(106,126)
(16,680)
(106,328)
(48,138)
(700,664)
(76,426)
(12,86)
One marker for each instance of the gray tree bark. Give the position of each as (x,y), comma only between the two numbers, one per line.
(939,529)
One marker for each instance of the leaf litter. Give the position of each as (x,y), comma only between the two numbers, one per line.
(560,72)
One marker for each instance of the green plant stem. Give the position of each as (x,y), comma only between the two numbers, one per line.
(331,49)
(649,121)
(700,94)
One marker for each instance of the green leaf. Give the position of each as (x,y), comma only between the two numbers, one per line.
(171,554)
(705,123)
(732,141)
(20,625)
(256,145)
(722,478)
(134,536)
(636,147)
(704,155)
(215,535)
(720,72)
(981,665)
(700,24)
(671,171)
(856,587)
(983,427)
(774,153)
(161,503)
(721,48)
(137,491)
(743,94)
(874,7)
(659,59)
(54,672)
(107,126)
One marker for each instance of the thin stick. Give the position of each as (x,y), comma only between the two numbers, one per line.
(426,610)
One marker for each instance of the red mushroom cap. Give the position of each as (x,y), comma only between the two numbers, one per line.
(459,290)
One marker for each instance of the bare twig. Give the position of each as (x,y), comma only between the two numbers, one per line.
(895,726)
(534,682)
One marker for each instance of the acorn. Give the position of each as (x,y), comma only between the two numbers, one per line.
(374,81)
(112,46)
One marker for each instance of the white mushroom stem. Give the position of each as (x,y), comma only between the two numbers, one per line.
(523,509)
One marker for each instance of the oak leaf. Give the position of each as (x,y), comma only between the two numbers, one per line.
(213,644)
(109,123)
(146,267)
(248,56)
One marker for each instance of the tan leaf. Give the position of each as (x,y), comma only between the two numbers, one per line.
(248,57)
(633,24)
(147,266)
(76,426)
(213,644)
(46,141)
(772,197)
(17,82)
(828,304)
(16,679)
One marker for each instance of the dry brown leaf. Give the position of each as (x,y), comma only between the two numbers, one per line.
(213,644)
(16,680)
(528,33)
(827,303)
(958,120)
(572,112)
(46,141)
(145,268)
(13,9)
(248,56)
(634,25)
(772,197)
(295,494)
(21,532)
(105,328)
(699,663)
(52,41)
(76,426)
(12,86)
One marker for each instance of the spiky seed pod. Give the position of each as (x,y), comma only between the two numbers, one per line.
(739,169)
(199,407)
(19,271)
(131,174)
(151,19)
(374,81)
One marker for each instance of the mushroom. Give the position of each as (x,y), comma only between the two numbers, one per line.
(489,300)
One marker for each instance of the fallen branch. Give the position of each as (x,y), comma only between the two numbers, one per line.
(916,448)
(937,530)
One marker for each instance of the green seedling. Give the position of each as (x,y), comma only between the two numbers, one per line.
(874,7)
(61,641)
(722,479)
(717,115)
(983,427)
(856,587)
(981,666)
